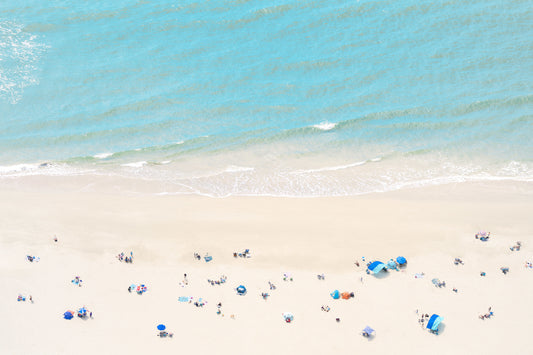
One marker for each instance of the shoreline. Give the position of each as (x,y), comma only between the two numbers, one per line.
(306,237)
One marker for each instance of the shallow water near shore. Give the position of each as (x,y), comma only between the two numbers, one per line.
(286,99)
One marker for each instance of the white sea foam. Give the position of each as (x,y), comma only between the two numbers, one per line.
(138,164)
(330,168)
(325,126)
(19,52)
(18,168)
(164,162)
(102,155)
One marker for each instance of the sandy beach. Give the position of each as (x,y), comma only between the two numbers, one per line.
(304,237)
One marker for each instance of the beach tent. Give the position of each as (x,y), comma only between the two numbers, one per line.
(68,315)
(401,260)
(376,266)
(434,322)
(161,327)
(335,294)
(289,317)
(241,290)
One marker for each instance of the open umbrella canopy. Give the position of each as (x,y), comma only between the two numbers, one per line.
(368,330)
(289,317)
(376,266)
(391,264)
(161,327)
(68,315)
(401,260)
(335,294)
(241,290)
(434,322)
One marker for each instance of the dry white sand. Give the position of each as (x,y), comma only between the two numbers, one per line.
(306,237)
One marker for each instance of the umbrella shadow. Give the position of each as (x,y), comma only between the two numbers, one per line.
(442,326)
(382,274)
(370,338)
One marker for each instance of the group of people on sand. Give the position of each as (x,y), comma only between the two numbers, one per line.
(516,247)
(487,315)
(422,320)
(207,257)
(220,281)
(21,298)
(244,254)
(483,236)
(123,257)
(32,258)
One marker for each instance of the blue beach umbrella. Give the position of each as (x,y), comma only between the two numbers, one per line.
(368,330)
(376,266)
(434,322)
(161,327)
(335,294)
(391,264)
(241,290)
(401,260)
(68,315)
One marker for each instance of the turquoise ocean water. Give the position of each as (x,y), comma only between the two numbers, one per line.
(288,98)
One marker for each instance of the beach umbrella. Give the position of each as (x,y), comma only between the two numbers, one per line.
(241,290)
(82,312)
(368,330)
(289,317)
(161,327)
(391,264)
(335,294)
(376,266)
(68,315)
(401,260)
(434,322)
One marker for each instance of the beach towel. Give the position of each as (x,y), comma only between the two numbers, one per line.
(184,299)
